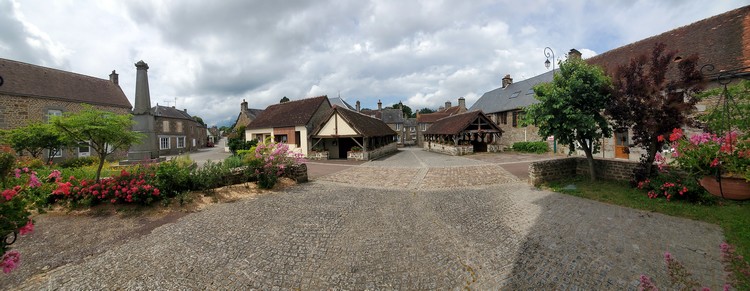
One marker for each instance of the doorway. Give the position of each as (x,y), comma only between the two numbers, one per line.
(621,144)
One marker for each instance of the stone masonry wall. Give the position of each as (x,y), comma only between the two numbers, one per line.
(550,170)
(20,111)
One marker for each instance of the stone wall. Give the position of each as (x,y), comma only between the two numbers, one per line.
(178,127)
(312,155)
(550,170)
(381,151)
(448,149)
(298,173)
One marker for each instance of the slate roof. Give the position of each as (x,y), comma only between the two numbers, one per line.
(514,96)
(410,122)
(337,101)
(454,124)
(27,80)
(292,113)
(365,125)
(171,112)
(392,115)
(721,40)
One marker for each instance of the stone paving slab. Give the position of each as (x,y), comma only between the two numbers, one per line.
(325,236)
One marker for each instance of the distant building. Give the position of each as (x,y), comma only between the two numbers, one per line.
(246,115)
(342,130)
(31,93)
(177,132)
(425,120)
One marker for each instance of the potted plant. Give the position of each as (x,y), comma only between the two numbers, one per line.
(356,149)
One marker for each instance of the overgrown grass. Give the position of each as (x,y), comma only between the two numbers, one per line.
(732,216)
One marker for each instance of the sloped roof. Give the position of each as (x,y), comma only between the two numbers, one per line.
(365,125)
(392,115)
(27,80)
(721,40)
(430,117)
(337,101)
(454,124)
(292,113)
(514,96)
(410,122)
(171,112)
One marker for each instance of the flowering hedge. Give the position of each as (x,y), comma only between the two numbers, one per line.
(14,216)
(270,161)
(123,188)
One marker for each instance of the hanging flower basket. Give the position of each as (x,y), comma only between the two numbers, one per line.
(729,187)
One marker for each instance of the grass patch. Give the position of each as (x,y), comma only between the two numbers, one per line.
(732,216)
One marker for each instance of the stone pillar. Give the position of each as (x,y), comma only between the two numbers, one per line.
(144,119)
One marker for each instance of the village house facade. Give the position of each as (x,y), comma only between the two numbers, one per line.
(246,115)
(424,121)
(31,93)
(347,134)
(290,122)
(463,134)
(176,131)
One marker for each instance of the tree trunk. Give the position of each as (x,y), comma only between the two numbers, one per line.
(99,169)
(590,158)
(651,156)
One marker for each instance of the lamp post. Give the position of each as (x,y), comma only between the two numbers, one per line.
(548,52)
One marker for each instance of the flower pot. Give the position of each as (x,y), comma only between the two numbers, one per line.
(732,188)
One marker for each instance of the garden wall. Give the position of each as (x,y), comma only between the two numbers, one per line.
(550,170)
(452,150)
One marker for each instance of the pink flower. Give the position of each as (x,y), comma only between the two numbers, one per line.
(26,229)
(10,261)
(25,169)
(18,173)
(8,194)
(34,181)
(715,162)
(667,257)
(54,175)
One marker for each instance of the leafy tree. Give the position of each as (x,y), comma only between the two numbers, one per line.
(199,120)
(104,131)
(34,138)
(404,108)
(236,141)
(651,102)
(284,100)
(571,107)
(738,108)
(424,111)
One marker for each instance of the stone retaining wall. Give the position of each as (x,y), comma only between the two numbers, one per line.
(550,170)
(317,155)
(449,149)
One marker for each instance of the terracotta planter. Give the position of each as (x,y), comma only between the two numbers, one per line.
(733,188)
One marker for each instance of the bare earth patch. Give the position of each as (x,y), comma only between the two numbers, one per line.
(63,237)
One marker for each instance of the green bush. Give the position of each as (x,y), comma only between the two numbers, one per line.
(211,175)
(233,162)
(173,177)
(7,162)
(79,162)
(537,147)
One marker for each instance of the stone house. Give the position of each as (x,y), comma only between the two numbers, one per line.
(393,117)
(31,93)
(720,41)
(290,122)
(176,131)
(424,121)
(246,115)
(342,130)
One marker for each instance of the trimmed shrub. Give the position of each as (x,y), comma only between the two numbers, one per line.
(79,162)
(537,147)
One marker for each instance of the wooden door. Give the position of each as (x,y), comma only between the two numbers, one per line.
(621,144)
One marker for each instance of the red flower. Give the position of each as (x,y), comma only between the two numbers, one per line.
(8,194)
(660,138)
(26,229)
(715,162)
(676,134)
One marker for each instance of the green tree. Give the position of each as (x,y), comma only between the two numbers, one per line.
(424,111)
(570,107)
(285,99)
(34,138)
(105,132)
(199,120)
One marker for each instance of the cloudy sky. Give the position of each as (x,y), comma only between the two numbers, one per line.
(210,55)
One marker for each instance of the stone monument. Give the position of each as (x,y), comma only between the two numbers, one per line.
(148,149)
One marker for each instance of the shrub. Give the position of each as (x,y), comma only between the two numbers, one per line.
(127,187)
(537,147)
(233,162)
(14,218)
(29,162)
(7,161)
(79,162)
(672,185)
(173,177)
(269,162)
(210,175)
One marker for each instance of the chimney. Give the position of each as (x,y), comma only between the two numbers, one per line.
(380,105)
(243,106)
(185,110)
(114,78)
(507,80)
(142,95)
(447,104)
(574,54)
(462,103)
(357,106)
(441,108)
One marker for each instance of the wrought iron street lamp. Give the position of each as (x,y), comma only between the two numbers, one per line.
(548,52)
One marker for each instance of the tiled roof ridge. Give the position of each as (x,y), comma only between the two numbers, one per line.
(737,12)
(59,71)
(298,100)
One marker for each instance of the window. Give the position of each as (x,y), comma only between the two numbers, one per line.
(193,142)
(165,127)
(515,119)
(280,138)
(530,92)
(503,118)
(180,142)
(84,150)
(515,94)
(179,126)
(164,143)
(398,138)
(297,139)
(53,112)
(398,126)
(57,153)
(413,128)
(424,126)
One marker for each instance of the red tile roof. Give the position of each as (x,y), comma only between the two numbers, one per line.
(430,117)
(722,40)
(292,113)
(454,124)
(27,80)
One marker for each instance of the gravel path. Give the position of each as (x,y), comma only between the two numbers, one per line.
(403,231)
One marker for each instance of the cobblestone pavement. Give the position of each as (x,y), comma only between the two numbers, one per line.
(329,234)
